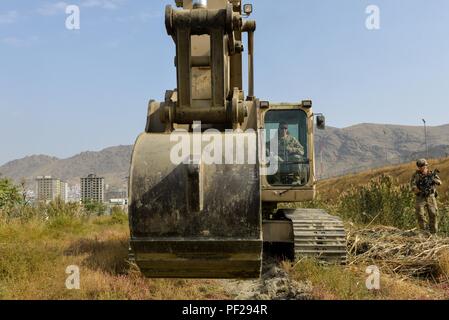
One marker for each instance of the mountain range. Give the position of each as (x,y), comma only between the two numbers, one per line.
(338,152)
(365,146)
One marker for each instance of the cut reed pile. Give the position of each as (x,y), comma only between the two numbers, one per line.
(411,253)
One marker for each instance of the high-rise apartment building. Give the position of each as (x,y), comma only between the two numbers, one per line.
(92,189)
(50,189)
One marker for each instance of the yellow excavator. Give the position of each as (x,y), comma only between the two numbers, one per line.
(209,172)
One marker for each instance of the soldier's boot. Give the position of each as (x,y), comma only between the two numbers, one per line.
(419,210)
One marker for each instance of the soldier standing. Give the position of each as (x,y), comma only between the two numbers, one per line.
(425,192)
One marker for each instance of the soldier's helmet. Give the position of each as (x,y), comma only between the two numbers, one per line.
(422,163)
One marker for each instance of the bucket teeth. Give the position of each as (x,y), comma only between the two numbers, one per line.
(319,235)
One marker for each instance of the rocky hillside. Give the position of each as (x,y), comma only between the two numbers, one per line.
(342,151)
(367,146)
(111,163)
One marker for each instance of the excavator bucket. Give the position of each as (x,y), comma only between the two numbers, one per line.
(191,219)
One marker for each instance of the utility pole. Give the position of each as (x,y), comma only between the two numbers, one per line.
(425,137)
(386,146)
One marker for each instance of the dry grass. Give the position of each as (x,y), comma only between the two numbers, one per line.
(35,256)
(348,283)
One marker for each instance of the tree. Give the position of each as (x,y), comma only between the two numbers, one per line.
(23,191)
(9,194)
(94,207)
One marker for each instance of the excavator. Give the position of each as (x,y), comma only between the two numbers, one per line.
(212,176)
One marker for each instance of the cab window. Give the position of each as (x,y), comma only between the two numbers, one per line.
(289,128)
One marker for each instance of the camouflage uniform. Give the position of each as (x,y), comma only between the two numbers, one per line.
(289,149)
(289,146)
(424,203)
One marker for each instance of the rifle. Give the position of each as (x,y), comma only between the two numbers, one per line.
(427,184)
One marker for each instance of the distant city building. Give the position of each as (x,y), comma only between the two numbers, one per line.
(92,189)
(74,193)
(64,191)
(116,194)
(50,189)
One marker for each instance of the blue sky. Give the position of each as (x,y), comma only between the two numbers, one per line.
(63,92)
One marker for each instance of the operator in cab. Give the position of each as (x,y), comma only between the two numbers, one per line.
(290,152)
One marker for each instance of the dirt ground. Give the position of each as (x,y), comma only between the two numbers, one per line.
(274,284)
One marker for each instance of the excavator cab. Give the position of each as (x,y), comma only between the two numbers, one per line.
(289,150)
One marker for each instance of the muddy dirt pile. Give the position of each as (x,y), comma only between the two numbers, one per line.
(274,284)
